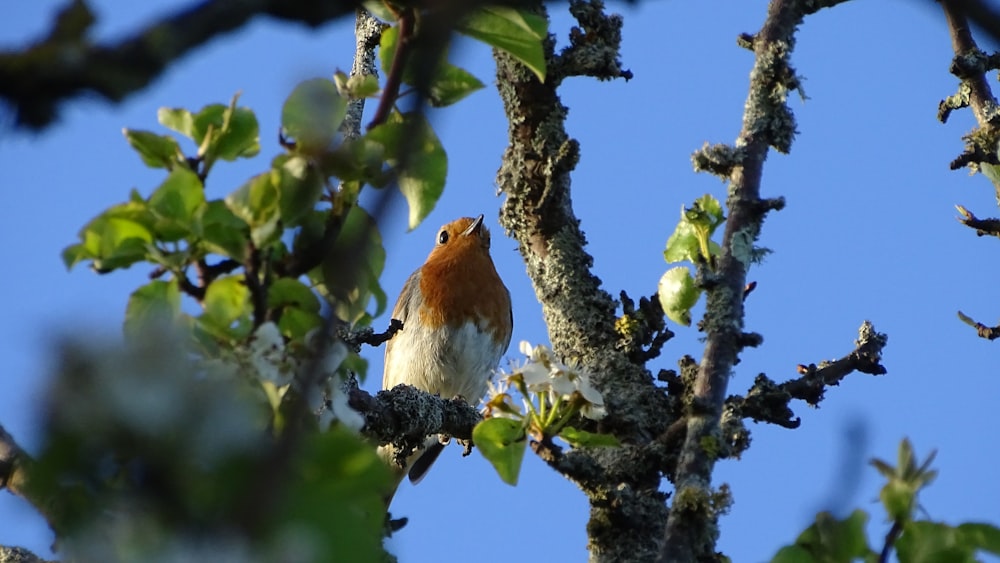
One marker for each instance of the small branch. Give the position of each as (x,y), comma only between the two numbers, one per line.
(257,280)
(987,332)
(983,227)
(890,540)
(768,402)
(594,47)
(355,338)
(394,79)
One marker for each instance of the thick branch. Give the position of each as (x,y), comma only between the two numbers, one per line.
(692,528)
(628,512)
(65,64)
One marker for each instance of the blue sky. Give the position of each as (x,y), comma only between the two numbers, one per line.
(868,233)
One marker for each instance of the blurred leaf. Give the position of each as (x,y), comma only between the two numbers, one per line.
(449,83)
(117,238)
(256,203)
(296,323)
(357,86)
(830,540)
(356,159)
(336,498)
(299,187)
(931,542)
(157,151)
(312,115)
(157,301)
(517,32)
(583,439)
(292,292)
(422,177)
(227,300)
(221,231)
(678,294)
(379,9)
(351,270)
(502,442)
(984,536)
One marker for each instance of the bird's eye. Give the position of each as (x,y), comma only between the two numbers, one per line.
(443,237)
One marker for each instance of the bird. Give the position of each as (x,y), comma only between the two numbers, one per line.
(457,323)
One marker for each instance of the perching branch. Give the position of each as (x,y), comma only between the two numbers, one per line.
(767,401)
(767,122)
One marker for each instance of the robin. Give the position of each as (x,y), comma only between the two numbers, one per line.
(457,323)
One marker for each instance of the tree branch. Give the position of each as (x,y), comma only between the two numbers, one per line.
(970,65)
(66,64)
(627,512)
(767,401)
(767,122)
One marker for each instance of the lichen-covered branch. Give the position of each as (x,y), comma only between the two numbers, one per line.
(692,526)
(627,509)
(405,415)
(970,65)
(767,401)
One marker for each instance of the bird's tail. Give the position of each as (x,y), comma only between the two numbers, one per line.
(416,466)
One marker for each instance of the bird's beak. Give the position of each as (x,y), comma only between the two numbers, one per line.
(474,226)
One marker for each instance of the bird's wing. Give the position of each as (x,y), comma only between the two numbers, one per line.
(406,307)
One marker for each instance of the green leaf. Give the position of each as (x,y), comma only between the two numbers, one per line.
(691,239)
(899,499)
(352,267)
(256,203)
(451,84)
(312,115)
(157,151)
(583,439)
(239,134)
(177,119)
(206,121)
(335,498)
(678,294)
(517,32)
(832,540)
(286,292)
(299,187)
(175,202)
(424,169)
(932,542)
(221,232)
(157,301)
(502,442)
(227,300)
(357,86)
(296,323)
(682,244)
(359,159)
(984,536)
(116,238)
